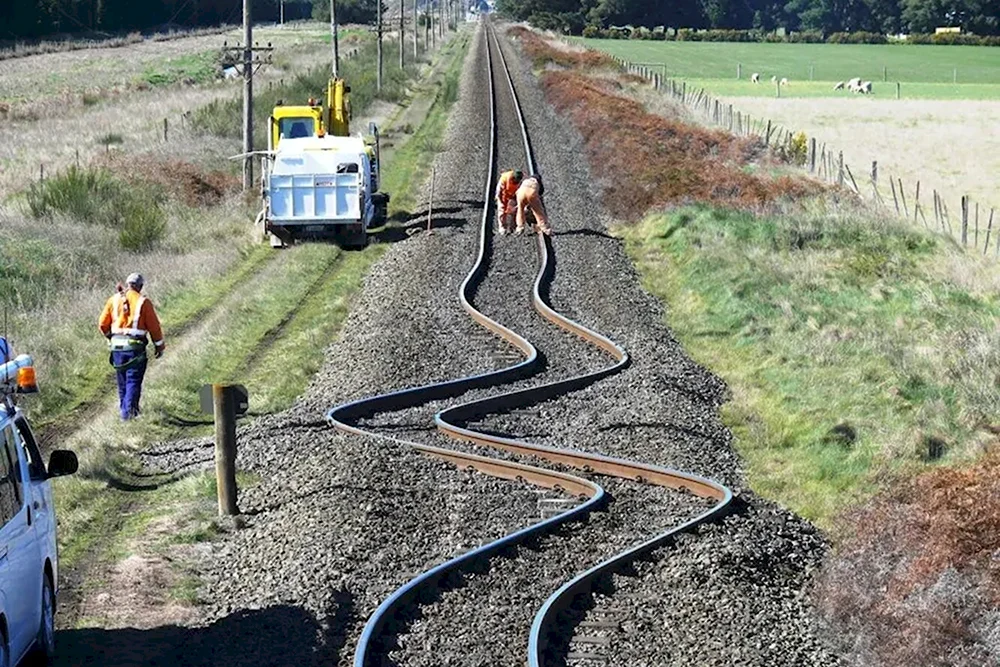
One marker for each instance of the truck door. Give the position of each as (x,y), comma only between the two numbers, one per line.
(23,583)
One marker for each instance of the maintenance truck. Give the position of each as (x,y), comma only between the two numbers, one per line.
(29,567)
(318,181)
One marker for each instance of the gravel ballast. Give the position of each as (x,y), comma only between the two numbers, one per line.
(338,522)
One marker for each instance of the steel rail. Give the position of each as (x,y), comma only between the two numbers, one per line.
(448,419)
(344,418)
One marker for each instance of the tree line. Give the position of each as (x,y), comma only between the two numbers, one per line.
(981,17)
(33,19)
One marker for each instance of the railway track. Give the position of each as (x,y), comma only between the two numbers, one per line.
(552,627)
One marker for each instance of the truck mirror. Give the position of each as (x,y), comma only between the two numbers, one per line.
(62,462)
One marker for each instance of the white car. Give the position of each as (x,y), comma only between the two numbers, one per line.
(28,560)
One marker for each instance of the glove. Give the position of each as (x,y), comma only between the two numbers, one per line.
(159,351)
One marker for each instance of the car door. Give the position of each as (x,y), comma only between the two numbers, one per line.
(39,492)
(23,582)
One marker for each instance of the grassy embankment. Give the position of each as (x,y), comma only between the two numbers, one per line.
(857,348)
(861,356)
(269,334)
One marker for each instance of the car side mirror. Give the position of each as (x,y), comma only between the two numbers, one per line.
(62,462)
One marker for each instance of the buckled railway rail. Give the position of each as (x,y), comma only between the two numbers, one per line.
(347,416)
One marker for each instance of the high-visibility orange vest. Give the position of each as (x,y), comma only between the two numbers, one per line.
(130,316)
(506,187)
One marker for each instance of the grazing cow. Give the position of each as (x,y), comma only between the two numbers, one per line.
(839,85)
(755,77)
(866,87)
(784,81)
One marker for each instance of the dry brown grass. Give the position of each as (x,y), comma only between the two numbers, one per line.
(916,578)
(649,161)
(949,145)
(545,52)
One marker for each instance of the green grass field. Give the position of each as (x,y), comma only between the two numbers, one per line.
(924,72)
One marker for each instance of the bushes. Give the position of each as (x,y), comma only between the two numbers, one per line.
(96,197)
(802,37)
(861,37)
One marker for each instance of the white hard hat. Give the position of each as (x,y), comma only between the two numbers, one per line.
(135,279)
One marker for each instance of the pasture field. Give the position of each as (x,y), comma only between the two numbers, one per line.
(33,78)
(915,64)
(939,132)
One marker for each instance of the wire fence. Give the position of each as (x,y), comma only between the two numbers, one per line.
(972,225)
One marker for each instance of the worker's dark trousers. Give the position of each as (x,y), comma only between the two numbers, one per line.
(129,379)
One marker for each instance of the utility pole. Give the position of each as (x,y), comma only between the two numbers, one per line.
(431,30)
(333,36)
(416,31)
(247,96)
(282,13)
(378,80)
(402,33)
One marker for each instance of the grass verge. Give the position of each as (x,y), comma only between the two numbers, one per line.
(851,351)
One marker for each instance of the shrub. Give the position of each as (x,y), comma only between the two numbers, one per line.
(860,37)
(592,32)
(96,197)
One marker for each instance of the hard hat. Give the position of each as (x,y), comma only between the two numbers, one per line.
(135,279)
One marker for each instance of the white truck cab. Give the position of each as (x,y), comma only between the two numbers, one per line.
(28,559)
(322,187)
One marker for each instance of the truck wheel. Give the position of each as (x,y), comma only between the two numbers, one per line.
(357,241)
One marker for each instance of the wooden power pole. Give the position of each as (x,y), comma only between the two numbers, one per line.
(402,33)
(378,30)
(416,31)
(247,96)
(333,37)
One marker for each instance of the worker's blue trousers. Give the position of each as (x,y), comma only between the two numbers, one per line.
(129,379)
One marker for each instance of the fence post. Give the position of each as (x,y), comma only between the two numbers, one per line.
(902,195)
(989,229)
(777,89)
(892,184)
(885,74)
(954,75)
(965,220)
(739,70)
(840,168)
(767,136)
(916,202)
(41,172)
(976,243)
(897,90)
(225,448)
(875,176)
(166,129)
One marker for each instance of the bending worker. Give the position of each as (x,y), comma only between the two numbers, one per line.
(507,200)
(126,320)
(529,198)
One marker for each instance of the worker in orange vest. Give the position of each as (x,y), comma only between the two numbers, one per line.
(506,200)
(529,198)
(128,319)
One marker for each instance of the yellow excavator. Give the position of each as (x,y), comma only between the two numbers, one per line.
(319,181)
